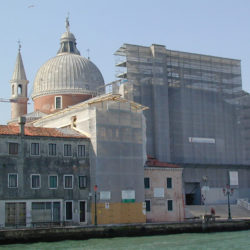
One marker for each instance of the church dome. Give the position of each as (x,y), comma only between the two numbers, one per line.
(68,72)
(65,74)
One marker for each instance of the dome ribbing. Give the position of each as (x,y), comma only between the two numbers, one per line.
(68,72)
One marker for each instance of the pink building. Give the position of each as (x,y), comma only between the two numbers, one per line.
(163,192)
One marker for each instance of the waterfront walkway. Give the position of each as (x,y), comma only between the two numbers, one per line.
(125,230)
(220,210)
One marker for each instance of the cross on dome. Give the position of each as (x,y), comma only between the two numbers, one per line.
(67,23)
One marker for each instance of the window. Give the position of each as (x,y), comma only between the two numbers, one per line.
(41,205)
(82,181)
(146,182)
(12,180)
(170,205)
(19,89)
(53,181)
(68,210)
(67,150)
(68,181)
(13,148)
(169,182)
(81,150)
(35,181)
(71,47)
(58,102)
(147,205)
(52,149)
(35,149)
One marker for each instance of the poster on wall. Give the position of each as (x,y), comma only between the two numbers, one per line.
(105,195)
(159,192)
(233,175)
(128,196)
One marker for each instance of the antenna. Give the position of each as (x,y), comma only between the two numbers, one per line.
(88,50)
(19,45)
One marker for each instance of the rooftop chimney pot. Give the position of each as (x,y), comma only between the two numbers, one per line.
(21,122)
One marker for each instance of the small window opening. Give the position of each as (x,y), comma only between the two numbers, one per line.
(19,89)
(58,102)
(71,47)
(13,90)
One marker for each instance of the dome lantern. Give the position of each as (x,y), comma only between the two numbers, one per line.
(68,42)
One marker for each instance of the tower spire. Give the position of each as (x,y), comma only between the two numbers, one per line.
(19,72)
(19,86)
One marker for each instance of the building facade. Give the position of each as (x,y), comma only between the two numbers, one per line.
(195,118)
(180,109)
(164,199)
(45,176)
(116,128)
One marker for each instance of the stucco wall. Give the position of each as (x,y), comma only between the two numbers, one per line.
(24,164)
(158,180)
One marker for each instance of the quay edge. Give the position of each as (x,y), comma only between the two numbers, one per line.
(129,230)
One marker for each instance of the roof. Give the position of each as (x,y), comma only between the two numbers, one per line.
(38,131)
(153,162)
(97,99)
(67,73)
(19,72)
(29,117)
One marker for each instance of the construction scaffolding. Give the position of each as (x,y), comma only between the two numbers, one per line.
(195,102)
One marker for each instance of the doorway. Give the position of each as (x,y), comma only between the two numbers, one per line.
(15,214)
(192,193)
(82,205)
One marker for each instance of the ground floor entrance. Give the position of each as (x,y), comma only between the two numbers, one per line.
(48,211)
(82,209)
(193,193)
(44,212)
(15,214)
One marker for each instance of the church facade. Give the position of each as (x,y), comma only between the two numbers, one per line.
(107,184)
(173,123)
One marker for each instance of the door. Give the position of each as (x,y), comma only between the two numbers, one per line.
(193,193)
(15,214)
(56,211)
(82,211)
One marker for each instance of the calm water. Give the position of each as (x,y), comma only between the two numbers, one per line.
(231,240)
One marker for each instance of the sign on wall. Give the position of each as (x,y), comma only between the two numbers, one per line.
(128,195)
(107,205)
(105,195)
(201,140)
(233,175)
(159,192)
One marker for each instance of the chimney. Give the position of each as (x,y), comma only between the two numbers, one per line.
(21,122)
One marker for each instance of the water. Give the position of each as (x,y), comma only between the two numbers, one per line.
(220,241)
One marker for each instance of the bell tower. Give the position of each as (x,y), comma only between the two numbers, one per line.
(19,85)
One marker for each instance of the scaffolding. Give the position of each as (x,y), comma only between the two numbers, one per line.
(189,96)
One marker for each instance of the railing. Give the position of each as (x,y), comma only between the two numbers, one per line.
(243,203)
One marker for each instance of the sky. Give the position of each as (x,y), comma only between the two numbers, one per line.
(211,27)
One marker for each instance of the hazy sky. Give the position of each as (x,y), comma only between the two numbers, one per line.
(212,27)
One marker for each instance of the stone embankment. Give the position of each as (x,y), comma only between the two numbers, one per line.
(101,231)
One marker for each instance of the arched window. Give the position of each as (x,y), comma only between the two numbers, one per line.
(13,90)
(19,89)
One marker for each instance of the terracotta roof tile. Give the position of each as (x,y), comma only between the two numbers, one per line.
(38,131)
(153,162)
